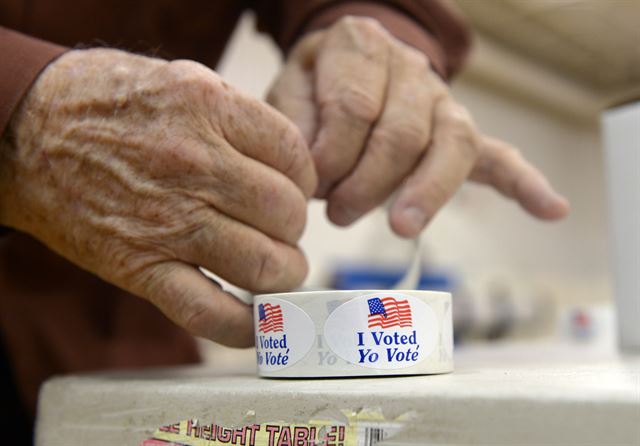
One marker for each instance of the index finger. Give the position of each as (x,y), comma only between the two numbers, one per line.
(259,131)
(504,168)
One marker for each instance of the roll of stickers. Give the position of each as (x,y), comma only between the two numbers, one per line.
(353,333)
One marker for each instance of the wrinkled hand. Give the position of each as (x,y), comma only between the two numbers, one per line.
(138,170)
(378,119)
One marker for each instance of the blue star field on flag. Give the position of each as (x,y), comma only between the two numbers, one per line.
(376,306)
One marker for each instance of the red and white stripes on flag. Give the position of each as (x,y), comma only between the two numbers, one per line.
(398,314)
(273,321)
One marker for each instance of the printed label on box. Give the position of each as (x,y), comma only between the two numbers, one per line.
(363,428)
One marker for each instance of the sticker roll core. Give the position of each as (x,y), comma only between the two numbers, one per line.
(353,333)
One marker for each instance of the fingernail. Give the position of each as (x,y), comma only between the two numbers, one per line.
(549,201)
(554,205)
(343,216)
(415,218)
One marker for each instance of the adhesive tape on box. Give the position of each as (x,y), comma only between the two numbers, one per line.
(353,333)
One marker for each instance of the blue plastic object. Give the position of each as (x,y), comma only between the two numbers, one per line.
(358,277)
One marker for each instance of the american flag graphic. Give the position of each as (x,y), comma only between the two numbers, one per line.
(388,312)
(270,318)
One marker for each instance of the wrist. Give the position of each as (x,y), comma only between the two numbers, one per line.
(21,134)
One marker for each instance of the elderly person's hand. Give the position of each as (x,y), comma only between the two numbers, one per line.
(379,119)
(140,170)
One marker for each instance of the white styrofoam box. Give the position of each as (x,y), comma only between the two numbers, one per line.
(621,128)
(511,394)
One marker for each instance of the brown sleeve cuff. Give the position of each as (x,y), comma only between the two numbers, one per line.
(23,58)
(431,26)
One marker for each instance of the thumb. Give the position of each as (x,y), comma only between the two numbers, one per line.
(198,305)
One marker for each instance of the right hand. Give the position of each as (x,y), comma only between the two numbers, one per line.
(380,122)
(139,170)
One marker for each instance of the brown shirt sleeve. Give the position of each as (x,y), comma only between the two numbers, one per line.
(23,58)
(432,26)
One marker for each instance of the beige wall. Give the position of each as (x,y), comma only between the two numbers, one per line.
(479,234)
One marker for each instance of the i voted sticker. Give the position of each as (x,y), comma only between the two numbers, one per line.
(382,331)
(284,334)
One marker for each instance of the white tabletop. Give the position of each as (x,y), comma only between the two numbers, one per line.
(512,394)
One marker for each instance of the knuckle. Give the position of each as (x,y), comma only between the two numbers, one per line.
(292,150)
(436,192)
(136,270)
(329,164)
(405,139)
(297,217)
(269,266)
(176,301)
(429,191)
(291,201)
(362,34)
(501,154)
(180,157)
(355,195)
(461,129)
(295,159)
(436,87)
(186,76)
(460,118)
(366,25)
(504,153)
(269,193)
(357,102)
(186,68)
(512,154)
(414,57)
(195,317)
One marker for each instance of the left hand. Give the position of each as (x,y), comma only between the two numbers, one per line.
(378,119)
